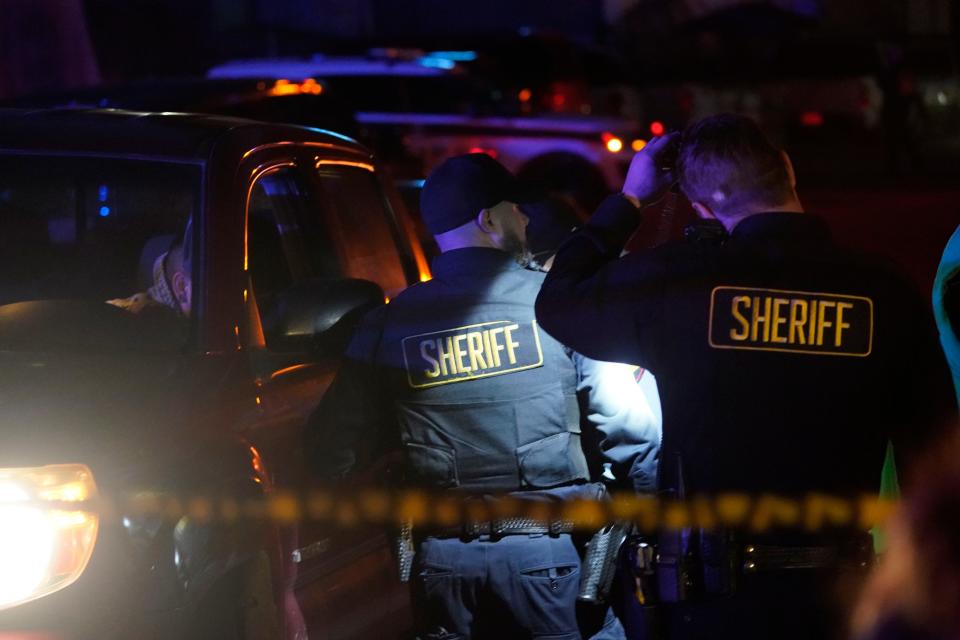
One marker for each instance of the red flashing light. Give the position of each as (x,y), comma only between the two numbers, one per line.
(657,128)
(811,119)
(490,152)
(559,100)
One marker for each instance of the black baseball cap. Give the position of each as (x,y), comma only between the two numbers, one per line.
(461,186)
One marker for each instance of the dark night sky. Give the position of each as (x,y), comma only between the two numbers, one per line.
(47,44)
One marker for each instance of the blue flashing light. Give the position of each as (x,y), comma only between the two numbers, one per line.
(104,212)
(456,56)
(437,63)
(104,192)
(332,134)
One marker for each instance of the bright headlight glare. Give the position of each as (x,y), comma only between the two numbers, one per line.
(44,544)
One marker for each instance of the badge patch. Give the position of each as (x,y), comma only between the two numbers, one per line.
(471,352)
(825,324)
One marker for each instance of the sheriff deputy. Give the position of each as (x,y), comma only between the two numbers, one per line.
(482,402)
(785,363)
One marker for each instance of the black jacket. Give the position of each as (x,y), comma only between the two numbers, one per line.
(784,363)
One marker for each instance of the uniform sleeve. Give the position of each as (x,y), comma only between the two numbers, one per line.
(621,408)
(597,303)
(347,427)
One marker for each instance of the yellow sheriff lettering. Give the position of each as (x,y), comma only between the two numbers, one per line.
(744,332)
(434,371)
(475,348)
(511,345)
(768,319)
(448,362)
(778,320)
(798,320)
(823,322)
(841,325)
(457,342)
(495,345)
(468,353)
(801,322)
(471,352)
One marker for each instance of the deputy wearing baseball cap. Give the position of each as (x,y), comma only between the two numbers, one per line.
(472,200)
(485,403)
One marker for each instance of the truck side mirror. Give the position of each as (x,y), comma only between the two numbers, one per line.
(319,315)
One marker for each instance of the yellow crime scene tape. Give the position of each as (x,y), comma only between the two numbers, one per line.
(813,512)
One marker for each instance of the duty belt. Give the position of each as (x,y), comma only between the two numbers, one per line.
(691,564)
(506,527)
(758,558)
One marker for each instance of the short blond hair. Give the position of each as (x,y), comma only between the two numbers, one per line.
(727,163)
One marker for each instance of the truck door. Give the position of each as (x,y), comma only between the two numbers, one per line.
(311,221)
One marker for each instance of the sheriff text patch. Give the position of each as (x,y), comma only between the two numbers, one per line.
(791,321)
(474,351)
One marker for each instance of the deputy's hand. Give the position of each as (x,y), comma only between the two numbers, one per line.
(647,179)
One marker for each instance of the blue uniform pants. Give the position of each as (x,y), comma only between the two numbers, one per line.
(515,587)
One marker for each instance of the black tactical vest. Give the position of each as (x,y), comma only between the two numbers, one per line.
(486,399)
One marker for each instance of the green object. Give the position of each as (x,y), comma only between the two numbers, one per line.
(889,490)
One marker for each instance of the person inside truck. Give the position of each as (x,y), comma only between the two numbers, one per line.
(172,284)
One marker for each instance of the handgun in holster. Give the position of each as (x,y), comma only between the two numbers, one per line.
(600,562)
(690,564)
(679,569)
(405,551)
(683,565)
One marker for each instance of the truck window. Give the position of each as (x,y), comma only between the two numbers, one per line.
(359,226)
(79,242)
(281,212)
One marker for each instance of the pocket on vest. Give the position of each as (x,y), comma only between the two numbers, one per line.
(547,462)
(432,465)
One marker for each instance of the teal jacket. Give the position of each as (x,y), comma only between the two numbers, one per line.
(945,281)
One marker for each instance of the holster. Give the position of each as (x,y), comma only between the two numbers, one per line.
(600,562)
(678,569)
(720,560)
(682,565)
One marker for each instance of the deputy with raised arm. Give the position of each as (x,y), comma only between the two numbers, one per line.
(784,364)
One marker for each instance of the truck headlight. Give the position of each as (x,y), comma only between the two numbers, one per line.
(44,543)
